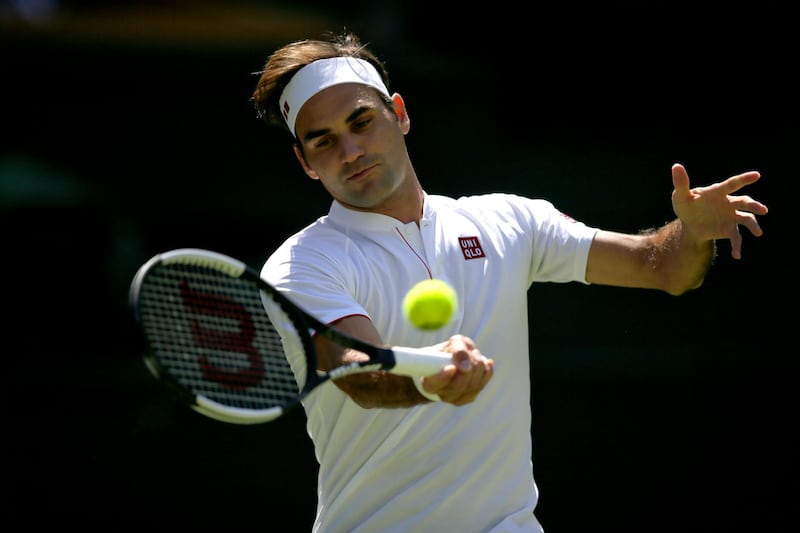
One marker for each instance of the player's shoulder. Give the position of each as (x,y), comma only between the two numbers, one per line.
(313,245)
(315,234)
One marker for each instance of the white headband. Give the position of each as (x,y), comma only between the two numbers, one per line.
(321,74)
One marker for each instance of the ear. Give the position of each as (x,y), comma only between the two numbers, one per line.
(401,112)
(307,169)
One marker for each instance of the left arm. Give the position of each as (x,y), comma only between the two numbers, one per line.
(676,257)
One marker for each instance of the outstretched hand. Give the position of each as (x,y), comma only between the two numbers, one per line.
(711,213)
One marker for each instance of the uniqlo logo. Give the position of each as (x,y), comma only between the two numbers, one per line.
(471,247)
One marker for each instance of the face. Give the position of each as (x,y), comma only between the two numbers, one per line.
(355,146)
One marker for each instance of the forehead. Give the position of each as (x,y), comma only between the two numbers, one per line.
(333,105)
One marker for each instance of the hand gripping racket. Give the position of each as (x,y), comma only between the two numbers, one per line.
(208,336)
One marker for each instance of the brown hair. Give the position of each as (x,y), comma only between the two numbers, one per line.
(287,60)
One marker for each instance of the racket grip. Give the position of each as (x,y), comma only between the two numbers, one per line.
(418,361)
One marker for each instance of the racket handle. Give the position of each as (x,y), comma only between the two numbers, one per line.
(419,361)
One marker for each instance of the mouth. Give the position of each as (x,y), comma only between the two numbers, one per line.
(360,174)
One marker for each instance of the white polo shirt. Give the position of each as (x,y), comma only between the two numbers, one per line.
(434,467)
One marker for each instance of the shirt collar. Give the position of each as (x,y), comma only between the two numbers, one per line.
(364,220)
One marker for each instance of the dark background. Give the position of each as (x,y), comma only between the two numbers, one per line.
(128,130)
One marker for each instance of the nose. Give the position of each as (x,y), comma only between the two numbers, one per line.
(350,148)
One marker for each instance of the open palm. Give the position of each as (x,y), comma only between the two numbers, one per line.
(712,212)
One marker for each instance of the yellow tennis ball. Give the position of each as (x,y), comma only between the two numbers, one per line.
(430,304)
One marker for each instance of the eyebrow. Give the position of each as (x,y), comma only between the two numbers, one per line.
(352,117)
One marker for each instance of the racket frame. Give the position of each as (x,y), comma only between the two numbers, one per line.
(407,361)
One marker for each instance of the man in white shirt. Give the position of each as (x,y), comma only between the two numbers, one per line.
(450,451)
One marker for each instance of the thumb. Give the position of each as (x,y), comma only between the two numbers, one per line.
(680,179)
(681,195)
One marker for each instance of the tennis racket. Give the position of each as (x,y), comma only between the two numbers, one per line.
(214,331)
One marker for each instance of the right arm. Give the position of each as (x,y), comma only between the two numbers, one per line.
(458,383)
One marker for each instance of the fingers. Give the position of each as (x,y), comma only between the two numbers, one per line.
(461,383)
(746,203)
(714,212)
(745,210)
(467,384)
(680,181)
(734,183)
(736,243)
(749,221)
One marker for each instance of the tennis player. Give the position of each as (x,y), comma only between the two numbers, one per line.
(450,451)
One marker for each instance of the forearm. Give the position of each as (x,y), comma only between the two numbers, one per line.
(458,383)
(381,389)
(371,389)
(668,258)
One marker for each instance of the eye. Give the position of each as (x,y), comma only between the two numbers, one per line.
(323,142)
(362,123)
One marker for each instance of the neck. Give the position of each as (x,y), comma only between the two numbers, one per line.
(404,203)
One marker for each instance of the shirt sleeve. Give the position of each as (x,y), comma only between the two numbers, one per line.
(559,243)
(312,277)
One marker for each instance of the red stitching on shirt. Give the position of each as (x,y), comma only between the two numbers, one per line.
(421,260)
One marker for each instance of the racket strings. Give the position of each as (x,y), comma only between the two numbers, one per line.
(210,333)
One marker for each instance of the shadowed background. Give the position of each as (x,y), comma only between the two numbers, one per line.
(128,130)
